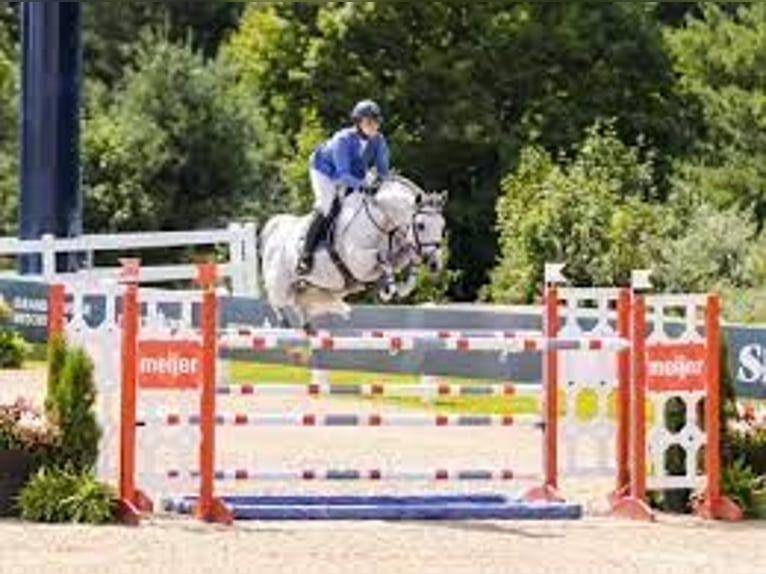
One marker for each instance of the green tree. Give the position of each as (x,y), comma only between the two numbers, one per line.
(709,250)
(676,13)
(9,20)
(175,147)
(71,404)
(8,134)
(465,86)
(721,59)
(112,30)
(587,211)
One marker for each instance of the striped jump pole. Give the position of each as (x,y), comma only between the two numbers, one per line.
(132,501)
(377,390)
(209,508)
(357,475)
(344,420)
(396,344)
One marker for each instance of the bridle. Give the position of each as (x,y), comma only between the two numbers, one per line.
(420,245)
(420,248)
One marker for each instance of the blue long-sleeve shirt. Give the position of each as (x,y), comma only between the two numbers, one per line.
(347,156)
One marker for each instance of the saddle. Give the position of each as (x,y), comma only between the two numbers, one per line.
(327,239)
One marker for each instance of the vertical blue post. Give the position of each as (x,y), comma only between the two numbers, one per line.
(50,199)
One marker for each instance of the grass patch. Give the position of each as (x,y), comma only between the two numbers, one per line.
(245,372)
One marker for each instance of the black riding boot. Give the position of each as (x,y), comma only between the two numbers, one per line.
(310,243)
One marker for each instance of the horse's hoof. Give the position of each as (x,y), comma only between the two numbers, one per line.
(388,293)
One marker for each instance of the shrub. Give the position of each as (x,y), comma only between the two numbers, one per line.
(5,310)
(70,402)
(13,350)
(750,447)
(741,484)
(57,354)
(587,211)
(58,496)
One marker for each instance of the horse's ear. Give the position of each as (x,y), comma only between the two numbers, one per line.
(443,197)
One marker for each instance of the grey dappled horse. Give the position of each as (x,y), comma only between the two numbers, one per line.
(376,237)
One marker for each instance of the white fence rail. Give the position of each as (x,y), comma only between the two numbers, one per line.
(239,241)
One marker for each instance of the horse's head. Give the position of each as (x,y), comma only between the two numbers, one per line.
(427,230)
(418,213)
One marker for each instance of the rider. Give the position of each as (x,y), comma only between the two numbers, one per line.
(340,166)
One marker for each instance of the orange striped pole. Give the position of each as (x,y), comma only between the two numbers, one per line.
(129,496)
(549,489)
(714,504)
(56,310)
(209,508)
(638,489)
(623,395)
(633,505)
(551,391)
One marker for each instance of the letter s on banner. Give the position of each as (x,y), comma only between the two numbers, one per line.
(751,369)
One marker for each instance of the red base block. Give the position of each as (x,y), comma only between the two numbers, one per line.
(545,493)
(633,509)
(618,494)
(129,512)
(217,513)
(721,508)
(143,502)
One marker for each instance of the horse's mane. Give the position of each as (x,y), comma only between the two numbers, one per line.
(408,183)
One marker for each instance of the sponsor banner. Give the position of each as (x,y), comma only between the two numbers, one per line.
(676,367)
(175,365)
(28,303)
(748,361)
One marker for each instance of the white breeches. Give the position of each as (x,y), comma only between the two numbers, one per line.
(325,191)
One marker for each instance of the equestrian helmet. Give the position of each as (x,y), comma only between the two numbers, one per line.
(367,109)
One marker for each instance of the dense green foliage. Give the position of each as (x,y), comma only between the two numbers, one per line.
(722,62)
(112,30)
(464,85)
(13,348)
(64,496)
(173,147)
(609,135)
(8,132)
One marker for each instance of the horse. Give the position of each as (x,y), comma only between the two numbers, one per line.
(376,236)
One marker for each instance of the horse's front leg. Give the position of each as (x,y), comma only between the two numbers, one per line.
(388,289)
(405,288)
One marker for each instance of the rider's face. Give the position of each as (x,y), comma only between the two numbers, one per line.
(369,126)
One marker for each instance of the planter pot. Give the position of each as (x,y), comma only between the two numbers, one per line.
(15,469)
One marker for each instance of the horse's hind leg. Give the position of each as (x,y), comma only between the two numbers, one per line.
(309,329)
(302,320)
(283,318)
(306,324)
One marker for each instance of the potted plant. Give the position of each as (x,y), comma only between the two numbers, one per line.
(27,441)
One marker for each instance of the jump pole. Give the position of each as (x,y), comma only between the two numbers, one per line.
(714,504)
(209,508)
(132,501)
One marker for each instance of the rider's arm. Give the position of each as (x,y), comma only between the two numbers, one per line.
(382,157)
(341,151)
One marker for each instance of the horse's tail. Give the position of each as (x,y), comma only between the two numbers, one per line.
(259,262)
(260,242)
